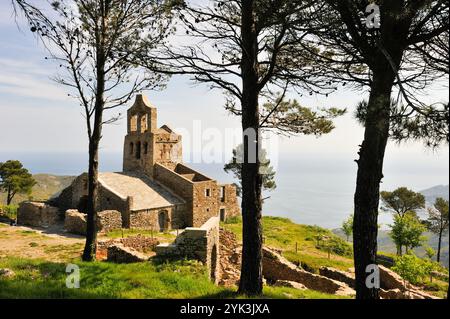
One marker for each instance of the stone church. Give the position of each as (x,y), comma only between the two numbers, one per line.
(155,190)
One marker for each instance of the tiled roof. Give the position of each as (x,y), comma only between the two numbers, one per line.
(146,193)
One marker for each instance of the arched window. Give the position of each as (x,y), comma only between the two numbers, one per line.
(138,150)
(133,123)
(131,148)
(144,123)
(145,148)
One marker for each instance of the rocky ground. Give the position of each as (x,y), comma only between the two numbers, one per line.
(278,271)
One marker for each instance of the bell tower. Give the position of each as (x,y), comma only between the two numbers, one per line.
(145,143)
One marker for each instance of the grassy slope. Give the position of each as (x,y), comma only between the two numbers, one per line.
(153,280)
(47,185)
(284,234)
(38,278)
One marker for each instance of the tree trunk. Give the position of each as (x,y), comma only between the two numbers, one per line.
(438,259)
(9,197)
(370,173)
(399,250)
(251,271)
(90,248)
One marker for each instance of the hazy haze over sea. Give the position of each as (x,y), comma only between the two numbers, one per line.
(311,189)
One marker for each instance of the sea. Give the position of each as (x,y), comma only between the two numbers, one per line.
(311,189)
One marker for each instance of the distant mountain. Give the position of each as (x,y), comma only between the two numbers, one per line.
(434,192)
(47,185)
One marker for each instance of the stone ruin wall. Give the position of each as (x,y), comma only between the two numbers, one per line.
(149,219)
(37,214)
(75,221)
(197,243)
(110,201)
(230,203)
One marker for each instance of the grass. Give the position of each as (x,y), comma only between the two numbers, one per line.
(9,211)
(152,280)
(306,245)
(64,252)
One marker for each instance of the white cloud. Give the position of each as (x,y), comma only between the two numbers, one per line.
(28,79)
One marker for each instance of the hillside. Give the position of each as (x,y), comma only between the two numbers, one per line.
(47,185)
(434,192)
(301,244)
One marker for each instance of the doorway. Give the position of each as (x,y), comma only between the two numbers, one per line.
(223,215)
(163,221)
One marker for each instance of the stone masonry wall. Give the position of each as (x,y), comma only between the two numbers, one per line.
(37,214)
(75,221)
(110,201)
(230,201)
(205,207)
(197,243)
(180,186)
(149,219)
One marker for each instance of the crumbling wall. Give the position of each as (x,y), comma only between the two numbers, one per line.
(197,243)
(37,214)
(120,254)
(109,201)
(109,220)
(150,219)
(75,222)
(276,267)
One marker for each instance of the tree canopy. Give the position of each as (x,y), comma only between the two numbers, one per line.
(15,179)
(402,200)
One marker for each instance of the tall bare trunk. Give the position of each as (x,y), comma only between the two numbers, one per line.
(439,247)
(370,173)
(9,197)
(251,270)
(90,248)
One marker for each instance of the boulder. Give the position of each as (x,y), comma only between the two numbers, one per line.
(390,280)
(290,284)
(391,294)
(75,222)
(339,275)
(120,254)
(276,267)
(37,214)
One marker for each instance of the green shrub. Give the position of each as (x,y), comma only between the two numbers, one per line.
(9,211)
(414,269)
(337,246)
(233,220)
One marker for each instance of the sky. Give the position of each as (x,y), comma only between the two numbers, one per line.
(36,115)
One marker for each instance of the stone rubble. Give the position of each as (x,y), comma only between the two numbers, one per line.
(276,267)
(290,284)
(142,244)
(392,285)
(120,254)
(339,275)
(230,259)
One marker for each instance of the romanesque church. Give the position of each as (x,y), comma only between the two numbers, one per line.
(155,190)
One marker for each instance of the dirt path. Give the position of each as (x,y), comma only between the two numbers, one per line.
(52,244)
